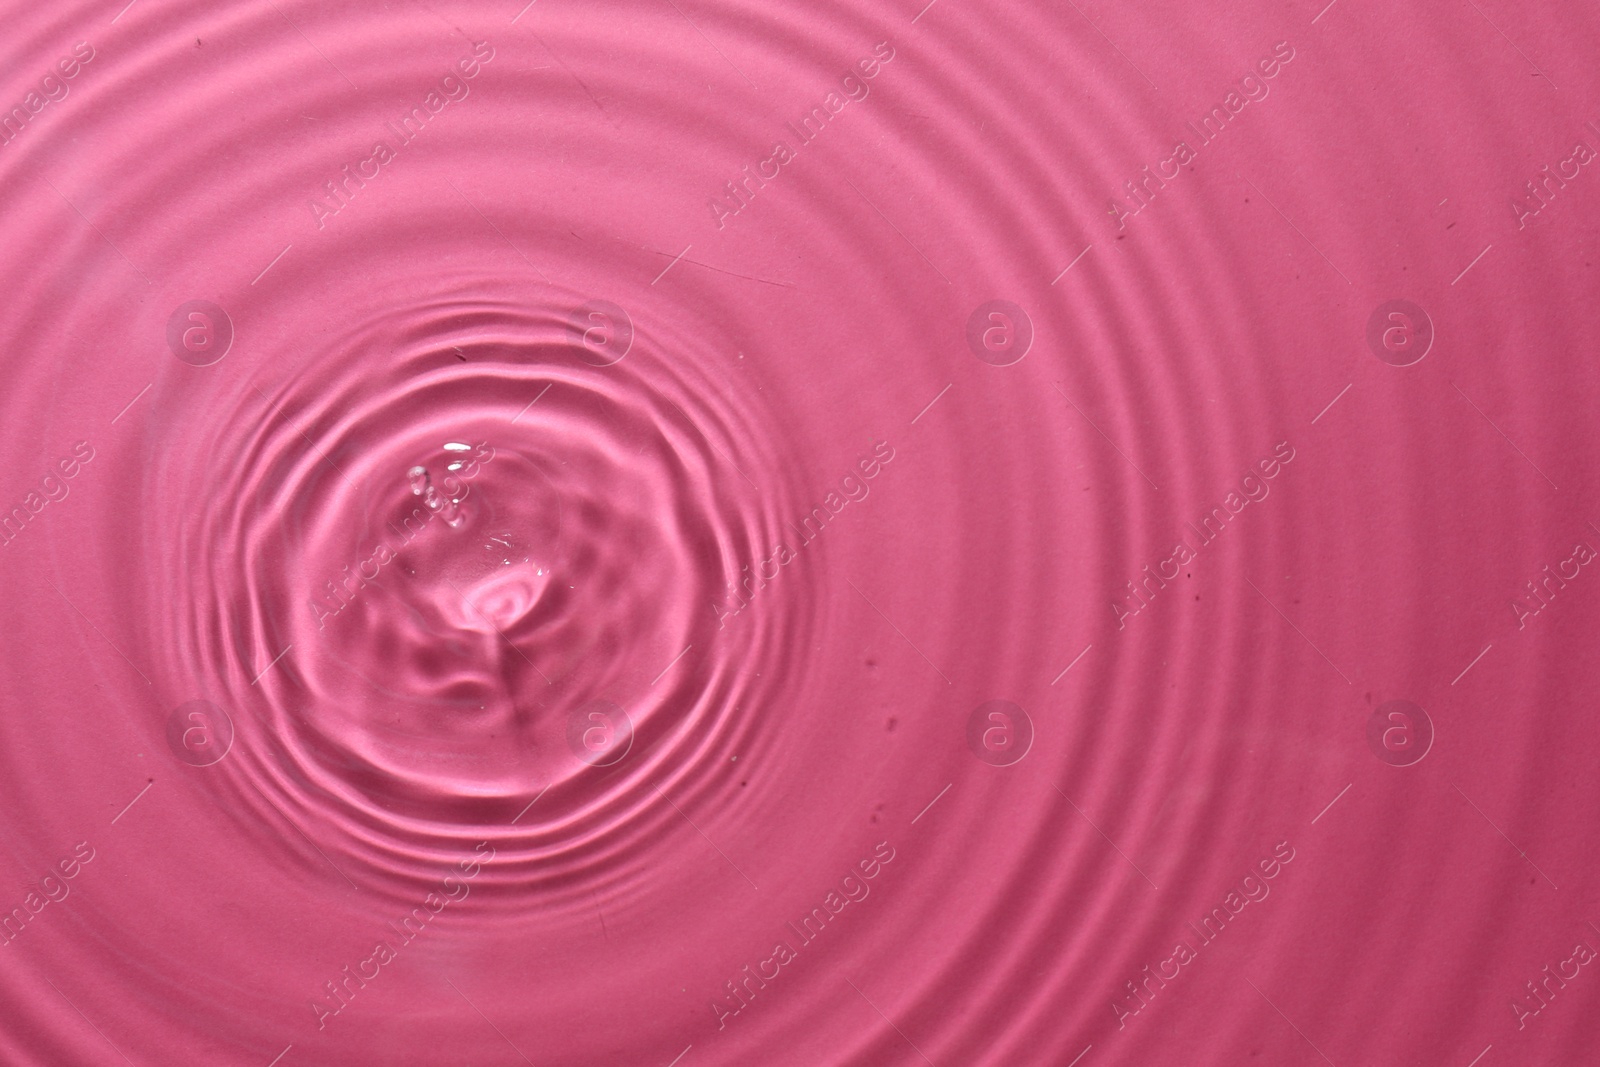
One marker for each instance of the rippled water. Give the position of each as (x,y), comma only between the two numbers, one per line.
(696,533)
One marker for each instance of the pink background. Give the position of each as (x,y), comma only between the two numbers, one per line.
(421,741)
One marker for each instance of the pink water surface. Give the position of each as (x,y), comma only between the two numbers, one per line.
(695,532)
